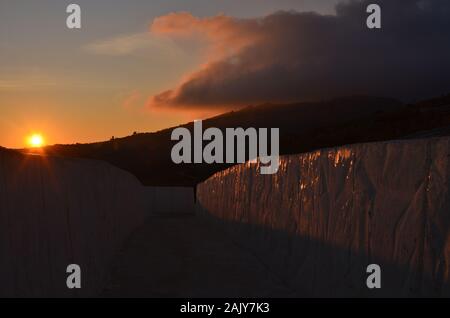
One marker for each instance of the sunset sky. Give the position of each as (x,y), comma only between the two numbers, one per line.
(90,84)
(146,65)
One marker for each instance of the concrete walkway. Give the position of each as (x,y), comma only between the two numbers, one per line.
(187,256)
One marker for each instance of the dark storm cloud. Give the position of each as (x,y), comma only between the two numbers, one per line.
(291,56)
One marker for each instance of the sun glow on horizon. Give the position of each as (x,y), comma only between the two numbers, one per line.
(36,141)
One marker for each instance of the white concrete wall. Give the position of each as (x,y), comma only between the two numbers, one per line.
(167,201)
(326,215)
(54,212)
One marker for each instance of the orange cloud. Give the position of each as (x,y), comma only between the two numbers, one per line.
(298,56)
(225,35)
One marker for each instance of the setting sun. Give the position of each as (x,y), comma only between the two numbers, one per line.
(36,141)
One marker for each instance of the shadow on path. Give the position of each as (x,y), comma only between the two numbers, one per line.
(188,256)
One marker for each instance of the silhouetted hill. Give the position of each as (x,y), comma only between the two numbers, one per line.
(303,127)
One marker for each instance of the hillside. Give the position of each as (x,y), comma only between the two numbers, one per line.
(303,127)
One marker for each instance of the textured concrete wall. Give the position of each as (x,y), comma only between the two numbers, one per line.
(54,212)
(169,200)
(326,215)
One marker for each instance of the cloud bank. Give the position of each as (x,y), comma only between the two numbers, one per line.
(292,56)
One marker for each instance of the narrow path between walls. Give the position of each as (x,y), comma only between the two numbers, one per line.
(188,256)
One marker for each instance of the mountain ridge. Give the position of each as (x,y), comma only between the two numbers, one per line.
(303,127)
